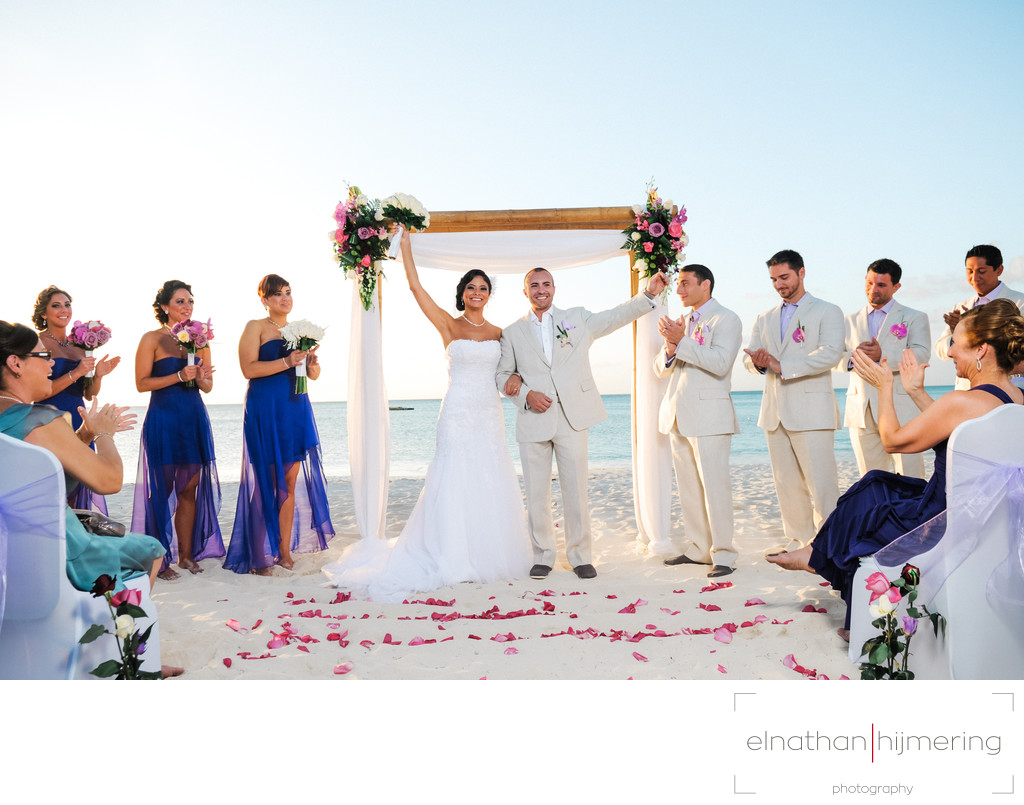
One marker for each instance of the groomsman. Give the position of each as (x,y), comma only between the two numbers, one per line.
(882,328)
(795,346)
(984,267)
(548,350)
(698,415)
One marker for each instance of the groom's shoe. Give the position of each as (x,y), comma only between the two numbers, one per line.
(719,570)
(585,571)
(682,559)
(539,571)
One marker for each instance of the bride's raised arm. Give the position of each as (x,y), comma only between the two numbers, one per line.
(440,318)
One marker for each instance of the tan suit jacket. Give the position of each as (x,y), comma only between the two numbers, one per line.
(946,337)
(802,397)
(862,397)
(568,378)
(698,398)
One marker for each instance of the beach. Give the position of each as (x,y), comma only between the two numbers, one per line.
(637,620)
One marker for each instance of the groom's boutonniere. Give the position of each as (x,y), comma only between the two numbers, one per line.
(698,333)
(899,330)
(798,334)
(562,333)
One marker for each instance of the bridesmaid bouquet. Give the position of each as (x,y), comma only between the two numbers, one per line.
(194,336)
(656,235)
(302,335)
(361,240)
(89,335)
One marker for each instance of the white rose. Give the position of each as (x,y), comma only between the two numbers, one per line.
(640,265)
(635,236)
(637,209)
(124,626)
(378,216)
(667,203)
(684,240)
(361,200)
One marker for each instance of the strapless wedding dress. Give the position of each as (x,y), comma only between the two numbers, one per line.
(469,523)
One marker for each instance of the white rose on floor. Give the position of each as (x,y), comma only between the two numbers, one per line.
(124,626)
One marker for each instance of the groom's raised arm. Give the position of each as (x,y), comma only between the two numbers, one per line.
(507,366)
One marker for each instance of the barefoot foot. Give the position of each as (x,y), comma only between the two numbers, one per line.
(792,560)
(263,571)
(168,575)
(286,562)
(844,633)
(167,671)
(190,565)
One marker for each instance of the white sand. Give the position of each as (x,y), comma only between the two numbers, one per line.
(559,628)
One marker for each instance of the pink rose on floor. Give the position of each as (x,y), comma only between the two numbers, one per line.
(365,262)
(899,330)
(364,232)
(656,230)
(878,584)
(675,229)
(126,596)
(648,247)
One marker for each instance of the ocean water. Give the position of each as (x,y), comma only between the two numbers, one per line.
(413,433)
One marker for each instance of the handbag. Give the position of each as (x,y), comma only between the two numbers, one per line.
(99,524)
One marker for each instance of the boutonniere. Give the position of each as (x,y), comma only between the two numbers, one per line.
(698,333)
(798,334)
(562,333)
(899,330)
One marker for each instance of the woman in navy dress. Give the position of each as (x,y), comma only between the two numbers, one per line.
(276,514)
(177,493)
(52,316)
(988,345)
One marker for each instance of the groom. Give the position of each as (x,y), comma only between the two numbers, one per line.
(549,349)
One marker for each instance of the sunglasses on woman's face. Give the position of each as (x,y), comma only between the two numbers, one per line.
(44,355)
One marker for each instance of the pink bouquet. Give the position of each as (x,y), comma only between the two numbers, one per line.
(194,336)
(89,335)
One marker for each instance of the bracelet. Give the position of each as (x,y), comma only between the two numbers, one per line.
(180,378)
(286,365)
(96,436)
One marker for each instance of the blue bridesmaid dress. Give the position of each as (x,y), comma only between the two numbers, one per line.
(69,399)
(177,443)
(279,432)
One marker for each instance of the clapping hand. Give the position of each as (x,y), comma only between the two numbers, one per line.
(874,374)
(672,331)
(764,360)
(911,372)
(871,348)
(953,317)
(106,365)
(106,419)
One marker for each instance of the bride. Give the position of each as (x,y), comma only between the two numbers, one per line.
(469,523)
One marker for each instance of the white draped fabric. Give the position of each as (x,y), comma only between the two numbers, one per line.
(516,252)
(369,423)
(505,252)
(652,453)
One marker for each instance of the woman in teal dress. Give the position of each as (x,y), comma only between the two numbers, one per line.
(177,493)
(24,377)
(52,316)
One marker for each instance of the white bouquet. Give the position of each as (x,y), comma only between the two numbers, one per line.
(301,335)
(405,211)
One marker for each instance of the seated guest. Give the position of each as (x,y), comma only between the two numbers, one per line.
(882,327)
(988,342)
(984,268)
(24,377)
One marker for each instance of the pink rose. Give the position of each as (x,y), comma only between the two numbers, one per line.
(365,262)
(339,236)
(657,230)
(675,229)
(364,232)
(200,341)
(126,596)
(90,340)
(648,247)
(878,584)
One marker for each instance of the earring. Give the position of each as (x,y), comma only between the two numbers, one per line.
(979,364)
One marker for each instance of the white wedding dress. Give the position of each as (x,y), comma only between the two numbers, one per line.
(469,523)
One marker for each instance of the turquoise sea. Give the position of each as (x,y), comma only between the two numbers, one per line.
(413,431)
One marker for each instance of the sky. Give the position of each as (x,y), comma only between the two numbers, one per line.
(209,142)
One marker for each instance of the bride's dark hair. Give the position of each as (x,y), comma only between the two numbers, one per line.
(461,289)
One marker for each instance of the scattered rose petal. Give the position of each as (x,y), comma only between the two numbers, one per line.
(302,648)
(366,643)
(344,668)
(753,602)
(723,635)
(389,642)
(716,585)
(810,608)
(721,670)
(416,641)
(341,598)
(227,662)
(710,607)
(511,650)
(277,642)
(233,624)
(256,625)
(638,656)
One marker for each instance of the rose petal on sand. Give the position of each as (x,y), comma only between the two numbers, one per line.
(388,641)
(810,608)
(716,585)
(723,635)
(637,655)
(227,662)
(753,602)
(344,668)
(277,642)
(710,607)
(511,650)
(233,624)
(416,641)
(302,648)
(721,670)
(366,643)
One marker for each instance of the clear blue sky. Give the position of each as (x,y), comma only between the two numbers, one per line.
(210,141)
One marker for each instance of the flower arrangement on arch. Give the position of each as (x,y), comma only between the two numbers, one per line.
(124,610)
(362,240)
(889,652)
(301,335)
(89,335)
(656,236)
(194,336)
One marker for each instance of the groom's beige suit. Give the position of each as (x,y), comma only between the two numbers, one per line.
(562,429)
(699,417)
(902,328)
(799,412)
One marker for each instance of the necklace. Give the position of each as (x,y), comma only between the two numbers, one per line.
(169,334)
(481,324)
(54,338)
(7,397)
(278,326)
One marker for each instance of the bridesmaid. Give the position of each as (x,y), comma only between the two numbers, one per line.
(52,316)
(276,516)
(177,493)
